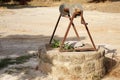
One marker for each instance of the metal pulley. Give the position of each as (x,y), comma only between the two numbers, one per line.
(64,9)
(69,9)
(75,8)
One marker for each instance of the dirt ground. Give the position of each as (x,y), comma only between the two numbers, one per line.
(23,30)
(113,7)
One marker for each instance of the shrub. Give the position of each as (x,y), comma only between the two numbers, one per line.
(56,43)
(96,0)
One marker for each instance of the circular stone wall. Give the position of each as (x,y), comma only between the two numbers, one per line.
(73,65)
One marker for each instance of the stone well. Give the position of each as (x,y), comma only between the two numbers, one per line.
(87,65)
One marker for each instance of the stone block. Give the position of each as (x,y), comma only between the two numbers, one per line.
(99,64)
(45,68)
(88,67)
(100,72)
(73,58)
(75,70)
(59,70)
(92,56)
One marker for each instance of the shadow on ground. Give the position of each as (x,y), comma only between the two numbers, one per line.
(16,6)
(22,44)
(109,64)
(112,66)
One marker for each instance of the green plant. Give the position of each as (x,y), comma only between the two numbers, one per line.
(56,43)
(67,47)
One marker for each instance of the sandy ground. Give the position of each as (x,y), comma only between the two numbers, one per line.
(24,30)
